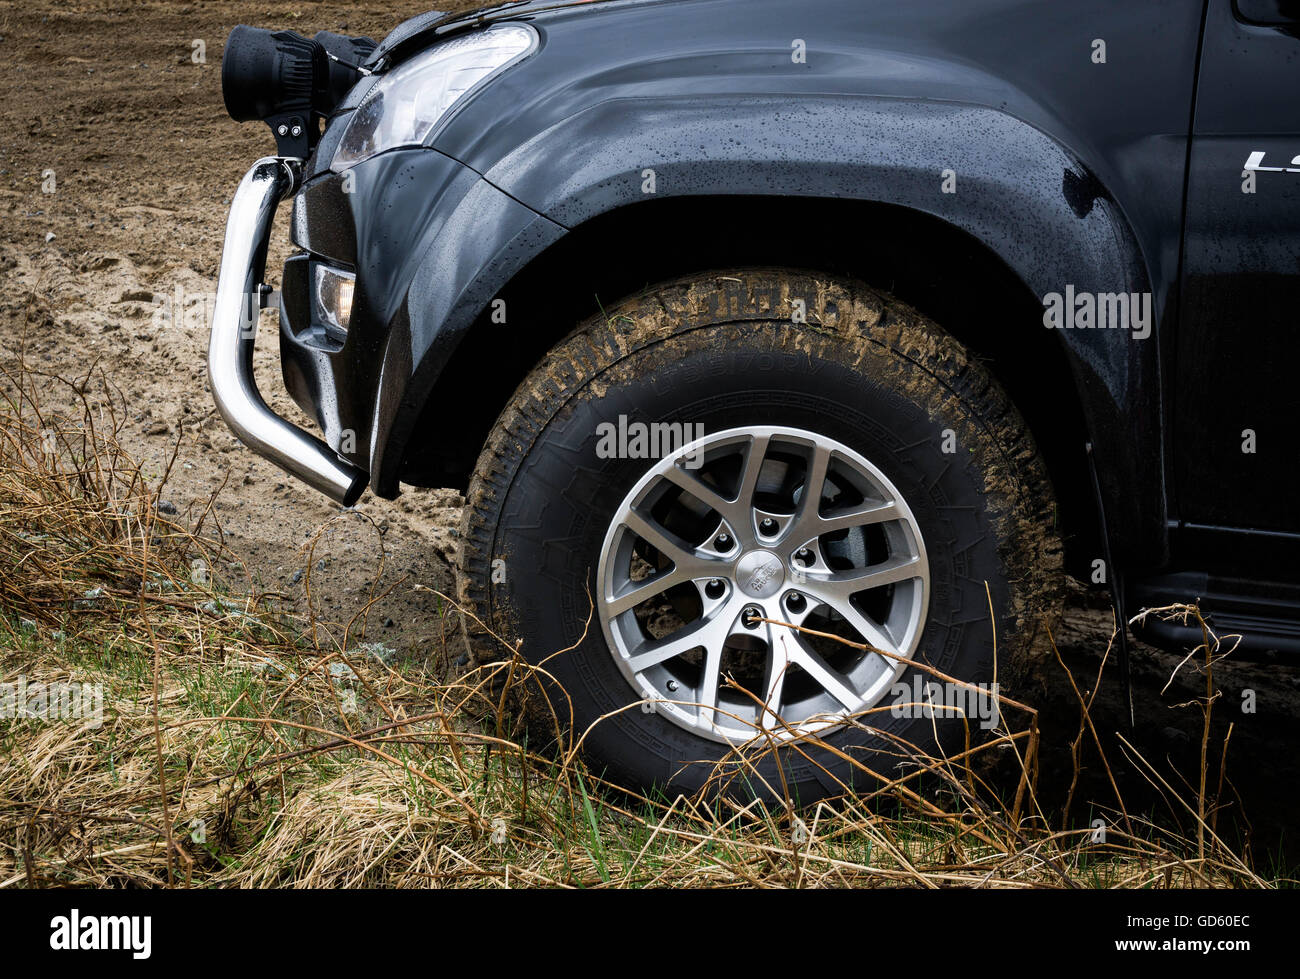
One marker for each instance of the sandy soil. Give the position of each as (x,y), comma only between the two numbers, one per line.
(108,99)
(117,161)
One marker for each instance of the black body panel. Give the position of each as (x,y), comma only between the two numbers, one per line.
(1240,339)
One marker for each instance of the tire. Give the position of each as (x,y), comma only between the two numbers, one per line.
(895,404)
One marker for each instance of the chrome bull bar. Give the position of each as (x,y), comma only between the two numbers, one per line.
(234,332)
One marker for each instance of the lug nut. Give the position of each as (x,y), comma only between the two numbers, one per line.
(722,542)
(672,686)
(803,556)
(749,618)
(767,527)
(795,602)
(715,589)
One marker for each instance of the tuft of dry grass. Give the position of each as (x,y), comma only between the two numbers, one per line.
(241,748)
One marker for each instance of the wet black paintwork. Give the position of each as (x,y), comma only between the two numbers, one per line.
(1238,342)
(1071,171)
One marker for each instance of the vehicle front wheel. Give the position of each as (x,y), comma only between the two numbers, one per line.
(774,494)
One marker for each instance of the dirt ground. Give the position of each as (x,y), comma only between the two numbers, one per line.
(117,162)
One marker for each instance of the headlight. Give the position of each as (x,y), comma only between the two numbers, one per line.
(407,104)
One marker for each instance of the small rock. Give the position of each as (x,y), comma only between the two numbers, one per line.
(49,237)
(167,507)
(389,623)
(320,565)
(297,577)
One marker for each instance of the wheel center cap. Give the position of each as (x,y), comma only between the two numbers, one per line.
(760,574)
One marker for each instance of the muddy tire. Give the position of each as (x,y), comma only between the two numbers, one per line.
(827,439)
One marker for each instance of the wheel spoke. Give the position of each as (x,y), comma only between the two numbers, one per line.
(861,517)
(666,543)
(836,588)
(754,457)
(778,666)
(702,491)
(827,678)
(686,564)
(703,632)
(641,591)
(872,634)
(708,693)
(814,483)
(809,523)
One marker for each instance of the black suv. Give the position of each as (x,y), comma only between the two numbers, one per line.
(789,354)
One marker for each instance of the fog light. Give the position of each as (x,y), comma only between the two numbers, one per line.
(332,300)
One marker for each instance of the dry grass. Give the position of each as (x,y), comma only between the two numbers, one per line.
(241,748)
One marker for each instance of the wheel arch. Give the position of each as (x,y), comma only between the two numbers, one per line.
(947,274)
